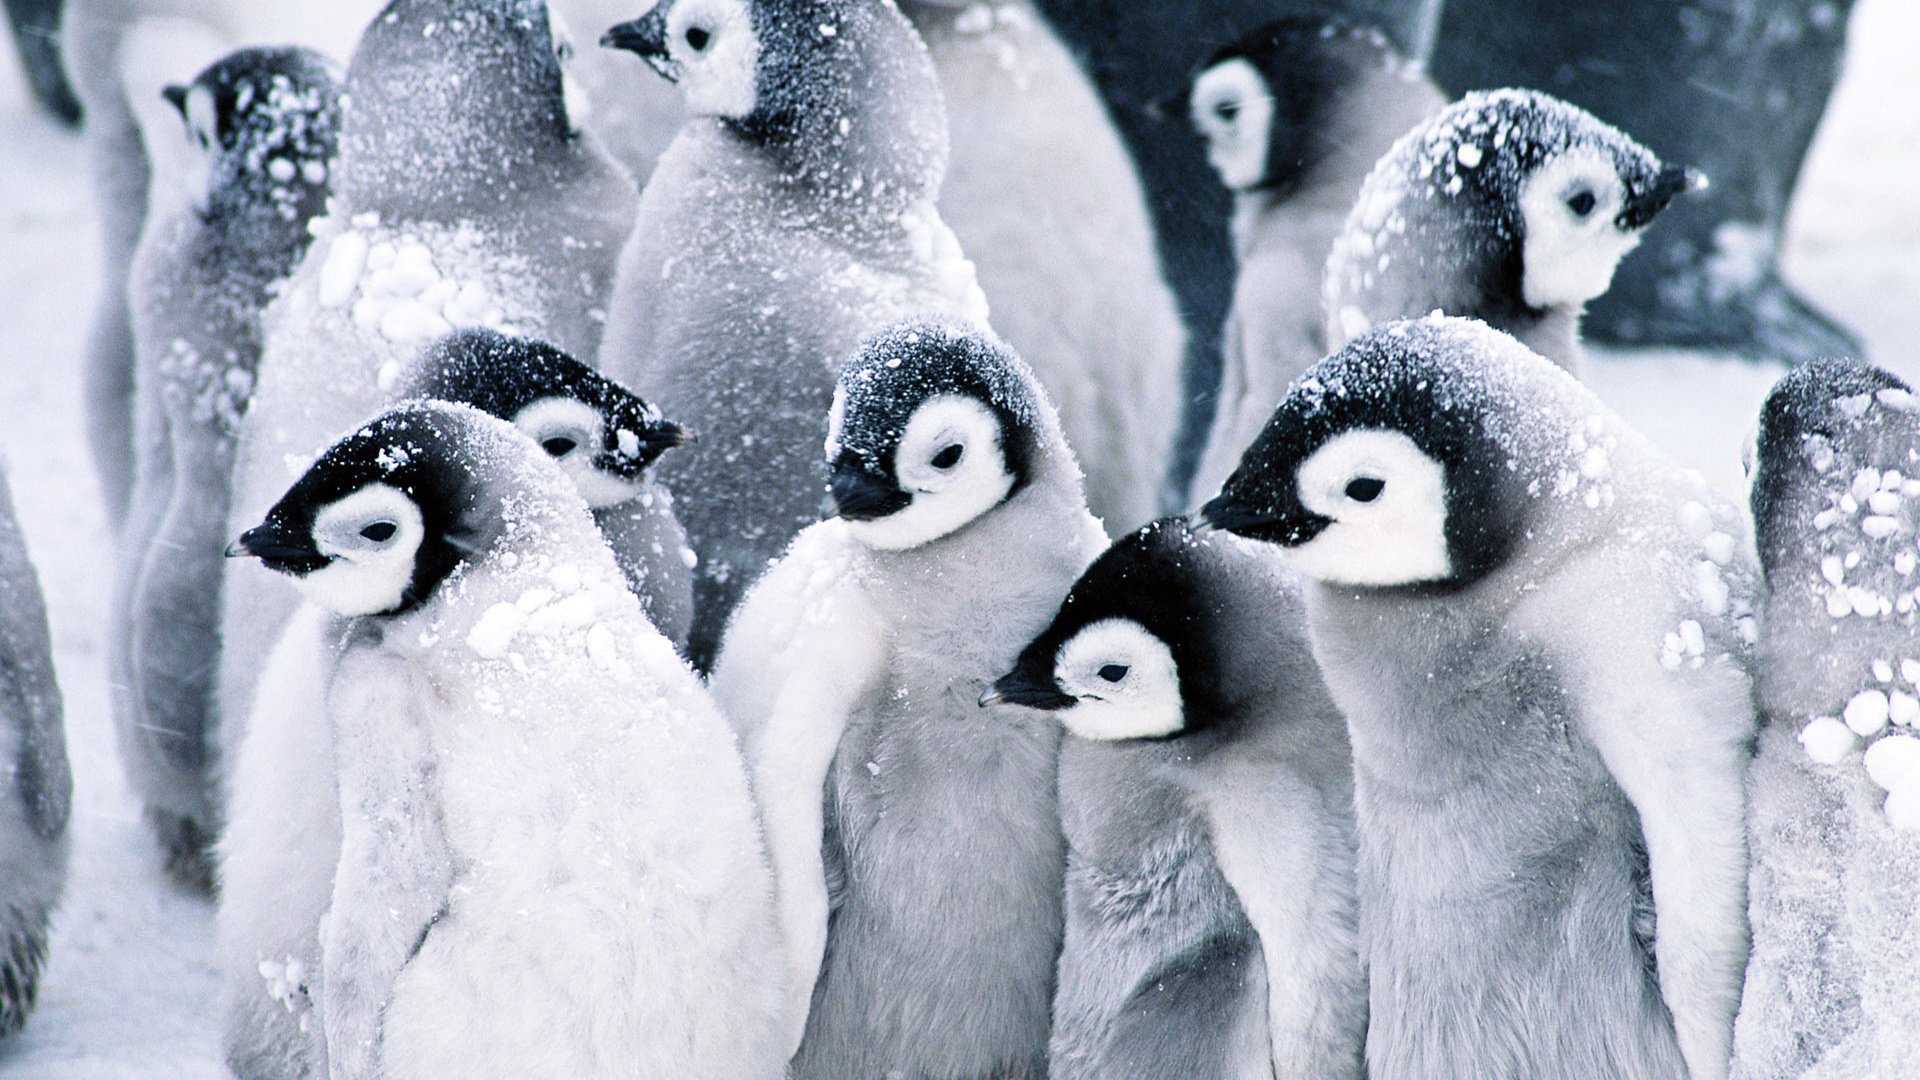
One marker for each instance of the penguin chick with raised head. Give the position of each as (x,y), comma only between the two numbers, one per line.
(927,941)
(1295,114)
(549,862)
(463,196)
(1206,793)
(791,218)
(257,131)
(1835,784)
(1539,630)
(1509,206)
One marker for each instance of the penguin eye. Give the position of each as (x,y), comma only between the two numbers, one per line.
(949,457)
(1365,489)
(697,38)
(1581,202)
(559,445)
(380,531)
(1227,110)
(1113,673)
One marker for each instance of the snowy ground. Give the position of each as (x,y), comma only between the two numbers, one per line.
(131,991)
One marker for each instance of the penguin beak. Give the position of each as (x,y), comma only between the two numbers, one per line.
(1288,530)
(1645,205)
(637,446)
(858,495)
(1016,688)
(176,96)
(645,37)
(277,549)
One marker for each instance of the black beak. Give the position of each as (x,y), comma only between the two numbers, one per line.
(859,495)
(645,37)
(277,549)
(1223,514)
(652,439)
(1016,688)
(176,96)
(1645,205)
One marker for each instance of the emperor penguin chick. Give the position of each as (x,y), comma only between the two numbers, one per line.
(1836,831)
(927,941)
(549,862)
(791,218)
(258,130)
(1295,113)
(1539,630)
(1509,206)
(36,787)
(1206,791)
(463,196)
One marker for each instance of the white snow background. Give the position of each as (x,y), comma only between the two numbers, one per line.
(130,987)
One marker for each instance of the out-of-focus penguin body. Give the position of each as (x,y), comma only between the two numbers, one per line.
(549,862)
(260,130)
(1295,115)
(791,218)
(1539,631)
(37,793)
(1511,207)
(1045,200)
(462,196)
(1207,798)
(927,941)
(1835,784)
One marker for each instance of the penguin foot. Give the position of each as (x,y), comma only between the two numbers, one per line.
(23,950)
(187,847)
(1766,320)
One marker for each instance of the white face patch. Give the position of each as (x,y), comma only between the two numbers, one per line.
(571,431)
(372,536)
(949,461)
(1233,109)
(715,48)
(1125,680)
(1569,206)
(1388,505)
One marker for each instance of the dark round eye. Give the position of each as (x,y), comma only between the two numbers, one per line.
(697,38)
(1114,672)
(1581,203)
(1365,488)
(380,531)
(948,458)
(559,445)
(1227,110)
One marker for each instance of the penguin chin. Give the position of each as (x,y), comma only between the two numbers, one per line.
(933,514)
(1569,259)
(352,589)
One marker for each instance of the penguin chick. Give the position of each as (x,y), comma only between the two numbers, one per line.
(549,863)
(1509,206)
(791,218)
(36,787)
(1835,886)
(927,941)
(258,128)
(1294,114)
(463,196)
(1539,630)
(1207,800)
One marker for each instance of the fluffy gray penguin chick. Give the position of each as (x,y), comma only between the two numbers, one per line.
(791,218)
(1295,114)
(1511,207)
(258,129)
(926,942)
(1835,784)
(1207,799)
(37,794)
(549,863)
(1539,630)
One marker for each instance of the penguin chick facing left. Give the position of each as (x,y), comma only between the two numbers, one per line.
(1206,793)
(927,941)
(257,131)
(1540,632)
(1509,206)
(549,861)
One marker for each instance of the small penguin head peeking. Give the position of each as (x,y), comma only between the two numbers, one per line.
(603,435)
(384,515)
(711,48)
(932,426)
(262,126)
(1390,464)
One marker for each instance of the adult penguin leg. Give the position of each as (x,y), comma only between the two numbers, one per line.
(36,33)
(1734,88)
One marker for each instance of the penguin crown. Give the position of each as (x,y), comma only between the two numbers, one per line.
(932,425)
(268,119)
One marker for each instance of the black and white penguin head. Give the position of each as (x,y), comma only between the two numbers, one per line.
(711,48)
(262,126)
(1134,652)
(1389,463)
(384,515)
(932,426)
(603,435)
(1265,103)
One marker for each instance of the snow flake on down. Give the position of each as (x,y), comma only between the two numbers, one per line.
(1686,646)
(1827,741)
(1868,713)
(393,285)
(286,983)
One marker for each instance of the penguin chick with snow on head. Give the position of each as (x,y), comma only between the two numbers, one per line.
(1295,113)
(1539,630)
(1835,784)
(1208,780)
(257,131)
(549,861)
(791,218)
(927,942)
(1511,207)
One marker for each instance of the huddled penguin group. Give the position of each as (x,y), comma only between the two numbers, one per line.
(593,603)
